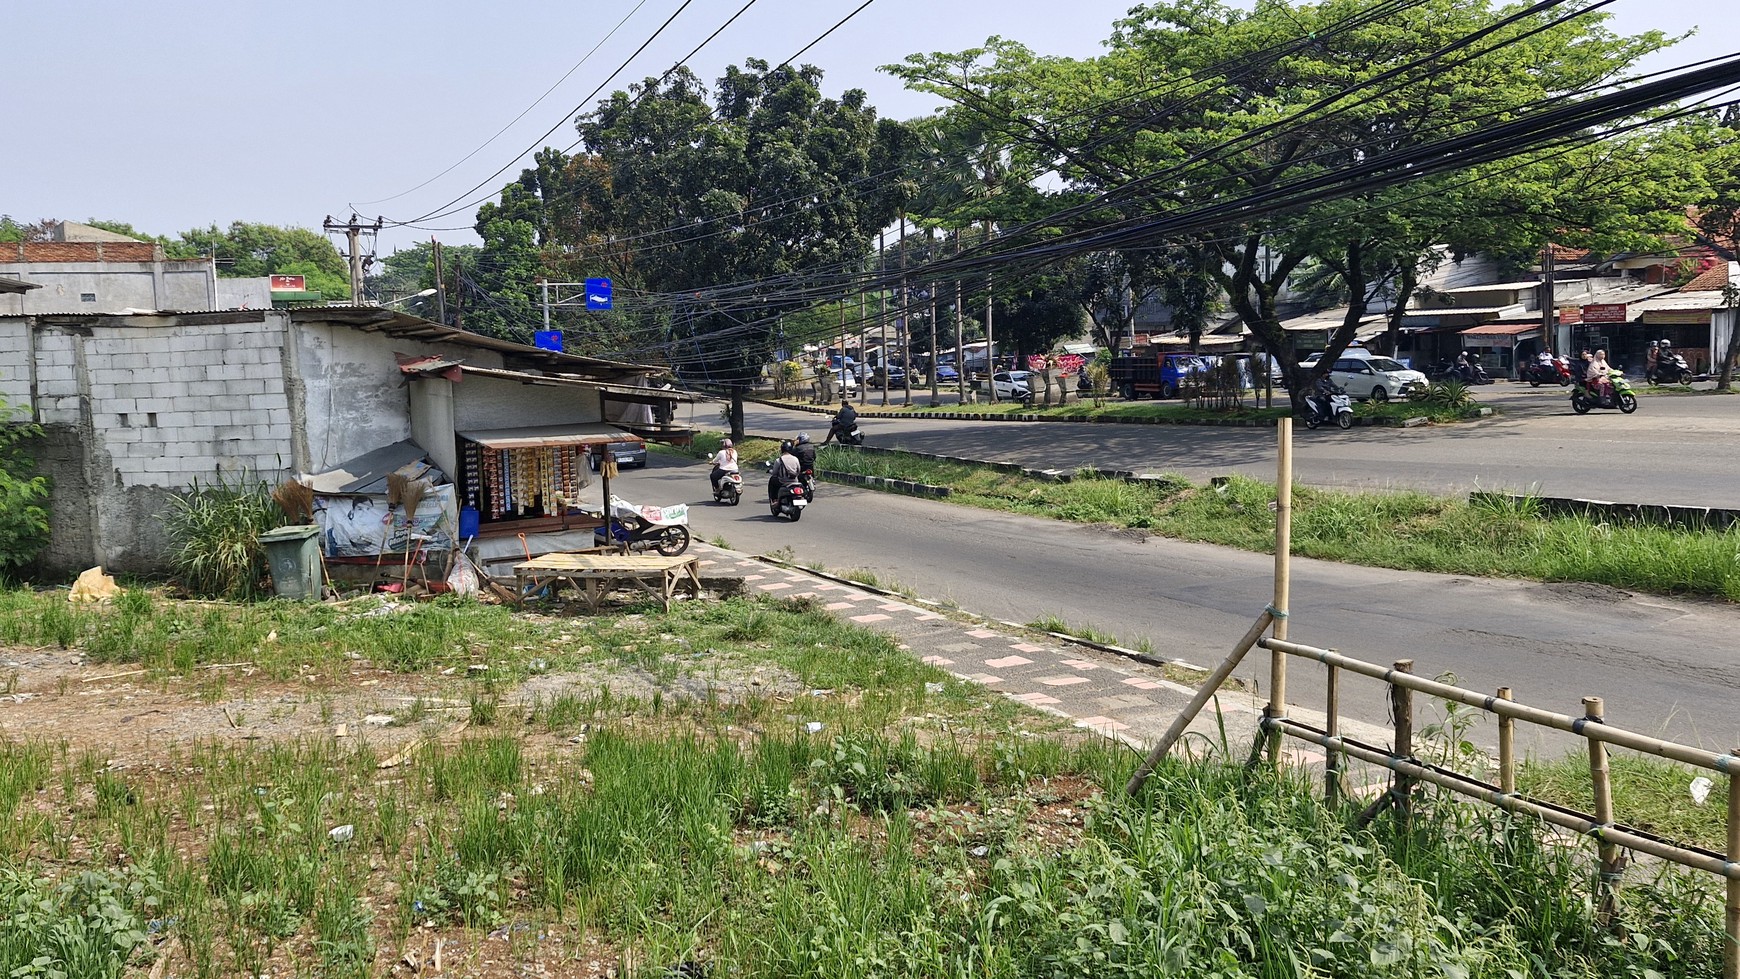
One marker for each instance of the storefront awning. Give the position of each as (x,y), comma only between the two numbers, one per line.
(1515,331)
(548,435)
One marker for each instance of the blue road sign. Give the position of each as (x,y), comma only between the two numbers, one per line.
(548,340)
(597,293)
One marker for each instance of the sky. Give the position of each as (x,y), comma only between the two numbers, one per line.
(179,114)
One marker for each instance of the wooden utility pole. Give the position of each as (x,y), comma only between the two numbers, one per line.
(353,230)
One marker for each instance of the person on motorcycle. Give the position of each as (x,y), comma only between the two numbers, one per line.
(805,450)
(786,470)
(844,420)
(1320,392)
(1596,376)
(724,461)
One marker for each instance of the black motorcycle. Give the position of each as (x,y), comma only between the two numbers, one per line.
(790,502)
(851,435)
(1670,368)
(1467,372)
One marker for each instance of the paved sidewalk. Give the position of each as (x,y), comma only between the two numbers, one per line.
(1097,690)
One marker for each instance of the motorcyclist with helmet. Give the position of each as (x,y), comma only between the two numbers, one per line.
(844,421)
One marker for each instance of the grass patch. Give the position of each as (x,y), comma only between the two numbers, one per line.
(877,818)
(1648,793)
(1404,530)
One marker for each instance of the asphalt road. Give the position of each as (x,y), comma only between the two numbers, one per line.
(1665,666)
(1675,449)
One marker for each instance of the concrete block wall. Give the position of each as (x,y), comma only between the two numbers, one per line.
(177,403)
(15,367)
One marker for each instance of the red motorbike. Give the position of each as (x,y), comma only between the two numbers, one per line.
(1553,371)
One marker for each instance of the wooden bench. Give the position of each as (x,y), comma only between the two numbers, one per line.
(596,575)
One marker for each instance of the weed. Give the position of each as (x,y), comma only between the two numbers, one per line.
(214,532)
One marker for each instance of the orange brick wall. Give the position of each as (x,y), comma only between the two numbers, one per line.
(81,251)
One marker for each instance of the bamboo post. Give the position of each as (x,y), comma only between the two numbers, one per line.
(1283,579)
(1332,727)
(1175,730)
(1506,747)
(1731,915)
(1612,864)
(1402,712)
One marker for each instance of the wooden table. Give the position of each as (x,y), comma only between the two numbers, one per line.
(596,575)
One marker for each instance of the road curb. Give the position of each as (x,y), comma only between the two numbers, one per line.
(980,416)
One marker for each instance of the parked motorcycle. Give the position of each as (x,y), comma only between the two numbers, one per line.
(640,528)
(1584,398)
(1460,370)
(1553,371)
(730,489)
(790,502)
(1670,368)
(1336,407)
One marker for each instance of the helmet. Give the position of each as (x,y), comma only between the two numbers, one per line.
(725,444)
(1652,343)
(1666,344)
(785,446)
(803,438)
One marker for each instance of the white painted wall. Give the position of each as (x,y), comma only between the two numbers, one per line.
(486,403)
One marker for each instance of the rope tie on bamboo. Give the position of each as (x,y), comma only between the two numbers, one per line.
(1275,612)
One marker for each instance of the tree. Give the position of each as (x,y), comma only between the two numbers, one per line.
(23,495)
(1157,126)
(733,204)
(245,250)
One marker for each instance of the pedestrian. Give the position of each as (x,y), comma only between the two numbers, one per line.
(1650,357)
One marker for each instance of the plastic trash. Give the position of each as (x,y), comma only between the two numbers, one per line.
(814,727)
(1701,787)
(342,834)
(93,586)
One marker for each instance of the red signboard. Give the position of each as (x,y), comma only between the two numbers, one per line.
(289,283)
(1570,314)
(1604,313)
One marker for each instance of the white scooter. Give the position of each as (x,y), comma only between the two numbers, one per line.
(1339,409)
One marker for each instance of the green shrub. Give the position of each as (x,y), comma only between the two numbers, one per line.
(214,531)
(23,497)
(86,925)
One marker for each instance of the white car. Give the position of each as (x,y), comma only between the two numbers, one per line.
(1012,385)
(1366,375)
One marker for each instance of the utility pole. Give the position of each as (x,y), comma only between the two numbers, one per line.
(353,230)
(990,340)
(1548,305)
(932,371)
(440,284)
(882,315)
(544,284)
(905,320)
(960,328)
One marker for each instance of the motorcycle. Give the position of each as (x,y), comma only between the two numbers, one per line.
(730,489)
(1583,399)
(1553,371)
(637,528)
(1670,368)
(790,502)
(852,436)
(1338,410)
(1459,370)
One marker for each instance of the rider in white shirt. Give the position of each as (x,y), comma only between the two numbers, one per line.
(724,461)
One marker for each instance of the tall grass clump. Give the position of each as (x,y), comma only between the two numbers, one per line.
(214,534)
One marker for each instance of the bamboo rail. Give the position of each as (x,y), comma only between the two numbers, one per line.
(1609,835)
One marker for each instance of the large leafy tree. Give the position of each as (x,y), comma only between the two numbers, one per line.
(1159,125)
(251,250)
(734,200)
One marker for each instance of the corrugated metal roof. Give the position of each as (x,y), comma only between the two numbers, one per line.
(1677,300)
(377,319)
(1457,311)
(17,285)
(1494,287)
(366,475)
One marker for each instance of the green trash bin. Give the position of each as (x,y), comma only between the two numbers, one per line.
(293,554)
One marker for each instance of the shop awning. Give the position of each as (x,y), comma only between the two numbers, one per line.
(1516,331)
(548,435)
